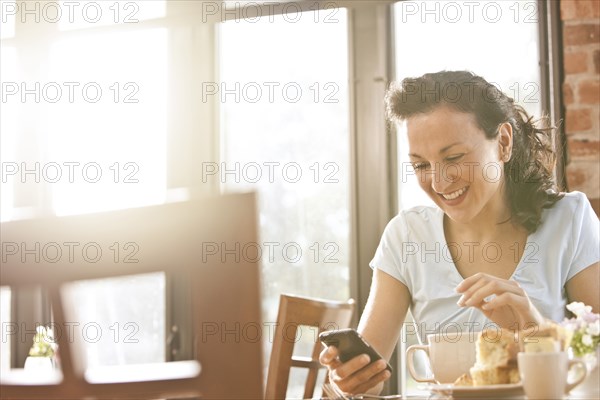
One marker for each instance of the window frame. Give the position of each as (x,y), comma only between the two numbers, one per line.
(551,77)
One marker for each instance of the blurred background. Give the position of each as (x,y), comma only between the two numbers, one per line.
(119,104)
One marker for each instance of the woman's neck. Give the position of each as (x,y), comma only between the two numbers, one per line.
(493,222)
(481,230)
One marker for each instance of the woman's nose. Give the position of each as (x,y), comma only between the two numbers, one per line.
(443,176)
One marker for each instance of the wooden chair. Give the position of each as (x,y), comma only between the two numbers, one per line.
(225,293)
(293,312)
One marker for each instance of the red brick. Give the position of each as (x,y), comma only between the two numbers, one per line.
(576,177)
(578,120)
(575,9)
(574,35)
(567,93)
(582,148)
(585,177)
(575,62)
(596,58)
(589,91)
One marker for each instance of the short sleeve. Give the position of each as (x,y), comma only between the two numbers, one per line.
(585,236)
(388,256)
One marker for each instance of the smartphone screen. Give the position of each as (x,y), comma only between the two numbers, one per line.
(350,344)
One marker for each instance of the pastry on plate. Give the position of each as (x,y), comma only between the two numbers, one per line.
(495,361)
(464,380)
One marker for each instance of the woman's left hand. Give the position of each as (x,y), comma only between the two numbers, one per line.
(508,307)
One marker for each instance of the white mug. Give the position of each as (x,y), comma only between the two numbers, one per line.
(450,355)
(544,375)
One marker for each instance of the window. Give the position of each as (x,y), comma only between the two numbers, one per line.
(84,129)
(112,331)
(284,124)
(5,319)
(8,20)
(8,125)
(114,133)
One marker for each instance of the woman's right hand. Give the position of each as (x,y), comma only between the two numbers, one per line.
(357,375)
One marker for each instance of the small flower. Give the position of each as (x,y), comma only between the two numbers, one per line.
(594,329)
(585,328)
(43,343)
(579,309)
(590,317)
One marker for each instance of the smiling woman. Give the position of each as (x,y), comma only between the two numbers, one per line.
(480,132)
(488,169)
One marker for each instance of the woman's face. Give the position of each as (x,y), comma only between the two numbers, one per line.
(457,166)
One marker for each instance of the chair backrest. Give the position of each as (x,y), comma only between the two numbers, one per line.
(170,237)
(295,311)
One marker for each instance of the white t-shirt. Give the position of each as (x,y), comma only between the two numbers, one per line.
(413,249)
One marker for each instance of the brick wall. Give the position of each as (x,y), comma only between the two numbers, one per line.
(581,94)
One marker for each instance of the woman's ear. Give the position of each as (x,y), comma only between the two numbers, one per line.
(505,141)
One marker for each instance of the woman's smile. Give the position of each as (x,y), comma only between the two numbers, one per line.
(456,197)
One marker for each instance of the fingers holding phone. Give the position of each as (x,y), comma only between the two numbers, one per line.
(354,366)
(329,357)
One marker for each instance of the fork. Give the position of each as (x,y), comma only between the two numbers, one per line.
(334,393)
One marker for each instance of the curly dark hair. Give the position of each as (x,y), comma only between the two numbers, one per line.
(529,173)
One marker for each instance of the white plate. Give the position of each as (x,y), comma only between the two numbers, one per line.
(489,391)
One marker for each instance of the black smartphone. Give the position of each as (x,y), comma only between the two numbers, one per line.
(350,344)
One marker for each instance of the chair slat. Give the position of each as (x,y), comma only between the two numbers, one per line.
(295,311)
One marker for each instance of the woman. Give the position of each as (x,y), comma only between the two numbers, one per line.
(503,247)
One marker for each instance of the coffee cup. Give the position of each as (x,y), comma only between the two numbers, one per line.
(450,355)
(544,375)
